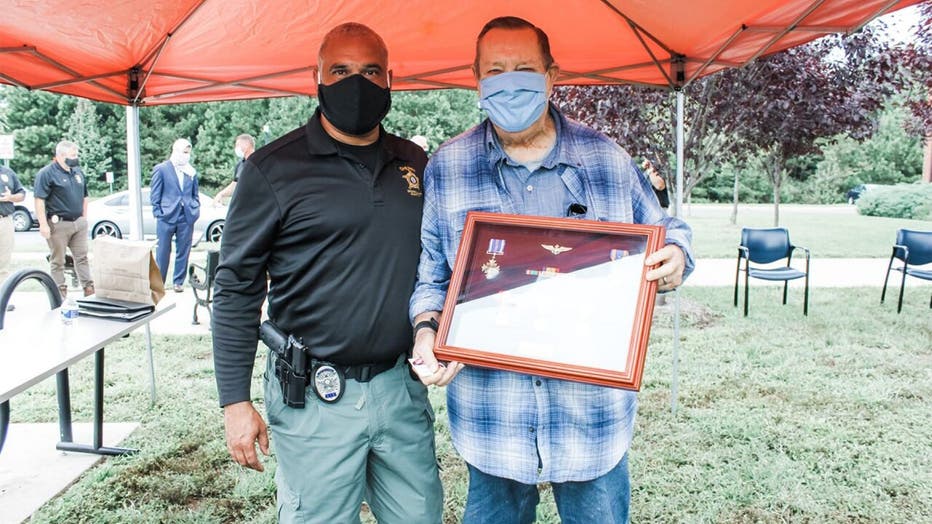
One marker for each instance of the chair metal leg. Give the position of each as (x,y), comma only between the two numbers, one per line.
(737,274)
(899,305)
(746,292)
(806,297)
(885,279)
(786,285)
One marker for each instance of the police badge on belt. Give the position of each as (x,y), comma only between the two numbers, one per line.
(328,382)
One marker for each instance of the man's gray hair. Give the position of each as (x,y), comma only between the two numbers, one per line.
(64,147)
(246,137)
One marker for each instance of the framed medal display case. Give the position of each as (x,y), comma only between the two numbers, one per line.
(557,297)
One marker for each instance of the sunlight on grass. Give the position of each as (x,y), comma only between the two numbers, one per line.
(781,418)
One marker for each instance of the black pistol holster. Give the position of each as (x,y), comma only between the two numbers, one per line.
(290,363)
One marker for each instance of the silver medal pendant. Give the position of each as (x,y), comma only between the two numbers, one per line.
(328,383)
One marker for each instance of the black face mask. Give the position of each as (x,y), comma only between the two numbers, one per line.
(72,162)
(354,105)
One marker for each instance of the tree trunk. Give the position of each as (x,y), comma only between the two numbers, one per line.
(734,202)
(777,178)
(927,161)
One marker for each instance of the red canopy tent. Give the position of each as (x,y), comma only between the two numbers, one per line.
(140,52)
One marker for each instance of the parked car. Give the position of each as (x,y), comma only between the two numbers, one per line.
(855,192)
(24,213)
(110,215)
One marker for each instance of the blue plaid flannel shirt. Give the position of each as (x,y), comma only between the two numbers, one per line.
(523,427)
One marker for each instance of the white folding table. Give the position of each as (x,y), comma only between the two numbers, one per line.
(42,346)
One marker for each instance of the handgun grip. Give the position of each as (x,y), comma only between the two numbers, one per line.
(273,337)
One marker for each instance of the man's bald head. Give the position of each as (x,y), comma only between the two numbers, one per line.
(352,30)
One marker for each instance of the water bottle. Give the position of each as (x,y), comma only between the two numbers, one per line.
(69,311)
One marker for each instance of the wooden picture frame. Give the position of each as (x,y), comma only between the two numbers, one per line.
(557,297)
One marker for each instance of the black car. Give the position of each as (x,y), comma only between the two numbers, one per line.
(855,192)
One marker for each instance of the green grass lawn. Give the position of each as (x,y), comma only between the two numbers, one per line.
(781,418)
(829,231)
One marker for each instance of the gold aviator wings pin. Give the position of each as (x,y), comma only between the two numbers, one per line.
(556,249)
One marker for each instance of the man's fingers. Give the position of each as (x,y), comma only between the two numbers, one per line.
(264,440)
(449,373)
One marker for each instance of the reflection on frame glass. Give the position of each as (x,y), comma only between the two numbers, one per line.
(556,297)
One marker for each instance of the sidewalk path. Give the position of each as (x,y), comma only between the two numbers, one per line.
(824,272)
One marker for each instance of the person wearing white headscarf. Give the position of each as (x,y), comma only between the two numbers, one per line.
(176,207)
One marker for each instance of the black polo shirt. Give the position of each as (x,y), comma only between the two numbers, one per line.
(62,190)
(340,246)
(8,180)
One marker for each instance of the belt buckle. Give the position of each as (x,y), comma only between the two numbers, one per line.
(328,381)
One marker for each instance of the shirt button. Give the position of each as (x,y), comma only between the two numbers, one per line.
(530,188)
(531,430)
(537,382)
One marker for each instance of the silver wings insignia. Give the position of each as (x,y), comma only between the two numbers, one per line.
(556,249)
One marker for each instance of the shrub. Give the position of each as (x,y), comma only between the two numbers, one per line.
(913,201)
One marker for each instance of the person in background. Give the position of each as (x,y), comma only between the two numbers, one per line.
(421,140)
(176,206)
(657,182)
(61,207)
(11,191)
(516,430)
(243,146)
(325,223)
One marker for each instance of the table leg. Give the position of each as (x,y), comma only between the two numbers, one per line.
(4,421)
(64,406)
(98,447)
(151,363)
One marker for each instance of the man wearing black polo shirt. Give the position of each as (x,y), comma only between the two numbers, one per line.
(10,191)
(61,206)
(327,218)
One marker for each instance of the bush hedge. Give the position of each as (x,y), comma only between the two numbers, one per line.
(913,201)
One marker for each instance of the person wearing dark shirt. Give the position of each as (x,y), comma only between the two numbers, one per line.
(243,146)
(657,183)
(61,207)
(11,191)
(325,224)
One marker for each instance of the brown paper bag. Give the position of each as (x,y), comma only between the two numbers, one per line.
(125,270)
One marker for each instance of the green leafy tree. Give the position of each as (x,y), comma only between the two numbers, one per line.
(95,151)
(437,115)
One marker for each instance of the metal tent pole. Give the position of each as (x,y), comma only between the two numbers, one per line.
(678,211)
(134,172)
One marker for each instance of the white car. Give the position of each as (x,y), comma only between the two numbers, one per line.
(110,215)
(24,213)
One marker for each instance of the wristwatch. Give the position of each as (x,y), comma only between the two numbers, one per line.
(429,323)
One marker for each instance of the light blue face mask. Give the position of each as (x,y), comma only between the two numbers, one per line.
(513,100)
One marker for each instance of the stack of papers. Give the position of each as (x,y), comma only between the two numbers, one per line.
(111,308)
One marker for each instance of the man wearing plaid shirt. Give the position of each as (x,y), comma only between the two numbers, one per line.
(515,430)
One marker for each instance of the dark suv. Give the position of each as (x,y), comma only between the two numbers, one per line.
(855,192)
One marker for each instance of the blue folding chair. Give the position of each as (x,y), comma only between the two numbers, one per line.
(765,246)
(913,248)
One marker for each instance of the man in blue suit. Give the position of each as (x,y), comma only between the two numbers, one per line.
(176,207)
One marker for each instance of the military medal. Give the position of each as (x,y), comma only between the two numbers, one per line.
(556,249)
(542,273)
(490,268)
(77,178)
(328,383)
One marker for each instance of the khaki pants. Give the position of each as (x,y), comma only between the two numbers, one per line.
(71,235)
(6,245)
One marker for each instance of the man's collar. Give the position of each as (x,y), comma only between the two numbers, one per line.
(558,155)
(321,143)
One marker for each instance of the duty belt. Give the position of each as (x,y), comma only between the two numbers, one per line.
(328,379)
